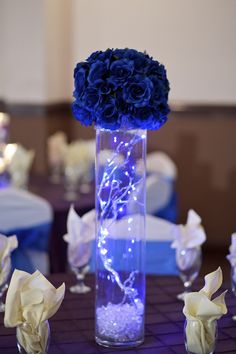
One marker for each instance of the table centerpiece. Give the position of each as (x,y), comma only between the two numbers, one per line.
(123,93)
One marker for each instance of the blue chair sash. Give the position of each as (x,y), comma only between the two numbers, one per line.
(33,238)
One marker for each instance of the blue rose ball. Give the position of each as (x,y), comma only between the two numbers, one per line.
(121,89)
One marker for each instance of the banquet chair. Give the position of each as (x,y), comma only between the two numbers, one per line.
(160,257)
(161,193)
(29,217)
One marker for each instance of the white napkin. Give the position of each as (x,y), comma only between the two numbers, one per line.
(199,308)
(4,119)
(80,233)
(190,235)
(7,245)
(57,144)
(31,300)
(19,165)
(80,153)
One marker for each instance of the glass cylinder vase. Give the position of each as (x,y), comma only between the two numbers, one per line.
(120,240)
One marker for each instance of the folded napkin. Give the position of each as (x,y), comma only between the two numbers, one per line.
(232,251)
(80,233)
(7,245)
(57,145)
(80,153)
(201,313)
(190,235)
(4,119)
(19,166)
(31,300)
(22,159)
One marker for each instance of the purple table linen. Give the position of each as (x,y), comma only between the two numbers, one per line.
(72,328)
(54,194)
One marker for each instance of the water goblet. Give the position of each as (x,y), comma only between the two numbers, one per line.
(189,262)
(72,175)
(56,173)
(80,273)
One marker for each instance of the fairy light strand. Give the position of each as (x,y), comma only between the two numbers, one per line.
(114,202)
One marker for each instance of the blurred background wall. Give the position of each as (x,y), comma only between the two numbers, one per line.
(41,41)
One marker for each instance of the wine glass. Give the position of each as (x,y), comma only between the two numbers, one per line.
(80,273)
(5,270)
(56,173)
(189,262)
(72,176)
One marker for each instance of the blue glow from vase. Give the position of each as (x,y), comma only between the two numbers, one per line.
(116,190)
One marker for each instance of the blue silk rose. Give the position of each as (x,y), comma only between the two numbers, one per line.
(82,114)
(138,92)
(121,89)
(91,98)
(80,75)
(109,114)
(97,72)
(120,71)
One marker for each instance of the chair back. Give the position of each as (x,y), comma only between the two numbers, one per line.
(29,217)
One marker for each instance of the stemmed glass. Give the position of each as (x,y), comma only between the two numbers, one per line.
(56,173)
(80,273)
(4,276)
(72,176)
(188,262)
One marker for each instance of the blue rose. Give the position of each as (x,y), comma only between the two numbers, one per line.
(82,114)
(97,71)
(120,71)
(124,107)
(138,91)
(160,91)
(80,82)
(140,60)
(158,120)
(79,66)
(94,56)
(91,98)
(105,56)
(80,76)
(142,117)
(158,71)
(104,87)
(119,53)
(108,115)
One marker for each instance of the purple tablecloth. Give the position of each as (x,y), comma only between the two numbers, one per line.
(72,328)
(54,194)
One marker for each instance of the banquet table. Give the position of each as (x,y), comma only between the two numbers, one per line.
(72,328)
(54,194)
